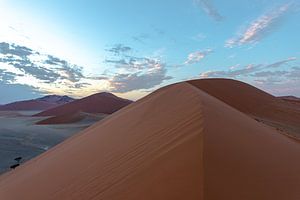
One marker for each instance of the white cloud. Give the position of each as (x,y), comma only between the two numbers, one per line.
(126,82)
(260,27)
(269,77)
(248,70)
(135,72)
(20,65)
(197,56)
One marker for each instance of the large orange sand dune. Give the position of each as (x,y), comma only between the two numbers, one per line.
(177,143)
(103,102)
(274,111)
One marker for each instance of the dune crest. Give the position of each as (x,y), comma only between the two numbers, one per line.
(97,103)
(177,143)
(280,114)
(71,118)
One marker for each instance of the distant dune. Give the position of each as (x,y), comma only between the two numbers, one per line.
(71,118)
(256,103)
(177,143)
(104,102)
(43,103)
(291,99)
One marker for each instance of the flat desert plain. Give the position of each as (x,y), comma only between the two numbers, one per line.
(21,137)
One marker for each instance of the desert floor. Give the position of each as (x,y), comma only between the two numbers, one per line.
(19,136)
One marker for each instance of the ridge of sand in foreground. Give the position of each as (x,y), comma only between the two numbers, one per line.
(177,143)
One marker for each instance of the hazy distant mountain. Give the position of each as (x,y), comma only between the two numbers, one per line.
(56,99)
(42,103)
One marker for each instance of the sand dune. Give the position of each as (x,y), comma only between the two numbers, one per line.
(105,103)
(71,118)
(291,99)
(177,143)
(283,115)
(19,136)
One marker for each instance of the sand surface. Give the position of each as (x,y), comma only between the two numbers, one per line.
(72,118)
(281,114)
(105,103)
(177,143)
(19,136)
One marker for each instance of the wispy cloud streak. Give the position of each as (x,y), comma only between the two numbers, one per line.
(253,70)
(197,56)
(260,27)
(208,7)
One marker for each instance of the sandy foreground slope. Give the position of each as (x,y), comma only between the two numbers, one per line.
(177,143)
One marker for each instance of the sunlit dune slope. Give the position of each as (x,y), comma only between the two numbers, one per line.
(177,143)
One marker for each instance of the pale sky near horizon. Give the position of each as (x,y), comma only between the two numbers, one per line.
(132,47)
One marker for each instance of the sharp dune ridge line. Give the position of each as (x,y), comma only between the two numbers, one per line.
(177,143)
(75,111)
(273,111)
(71,118)
(97,103)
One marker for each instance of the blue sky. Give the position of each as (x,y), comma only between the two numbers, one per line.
(132,47)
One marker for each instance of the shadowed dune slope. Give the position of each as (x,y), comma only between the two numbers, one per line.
(291,99)
(62,119)
(254,102)
(239,95)
(177,143)
(71,118)
(97,103)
